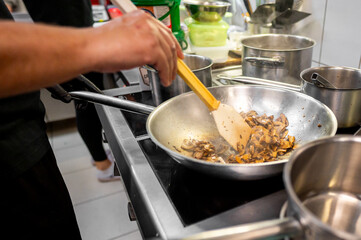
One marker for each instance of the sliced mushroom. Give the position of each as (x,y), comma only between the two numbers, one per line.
(188,144)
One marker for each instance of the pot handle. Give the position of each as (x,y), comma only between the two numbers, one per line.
(112,101)
(262,82)
(278,228)
(275,61)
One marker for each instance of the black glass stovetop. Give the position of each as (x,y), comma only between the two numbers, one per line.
(194,195)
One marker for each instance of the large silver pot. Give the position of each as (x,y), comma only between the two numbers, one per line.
(186,116)
(200,66)
(322,179)
(345,102)
(276,57)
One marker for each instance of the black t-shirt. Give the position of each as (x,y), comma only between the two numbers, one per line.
(74,13)
(23,139)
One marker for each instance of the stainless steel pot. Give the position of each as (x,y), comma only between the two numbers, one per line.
(345,101)
(322,179)
(268,28)
(200,66)
(186,116)
(278,29)
(276,57)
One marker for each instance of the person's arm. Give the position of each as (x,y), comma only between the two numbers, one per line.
(33,56)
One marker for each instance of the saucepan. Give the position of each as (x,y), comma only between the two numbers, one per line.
(344,100)
(278,57)
(185,116)
(322,180)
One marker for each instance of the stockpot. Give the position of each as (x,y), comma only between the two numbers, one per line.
(278,57)
(322,180)
(345,101)
(200,66)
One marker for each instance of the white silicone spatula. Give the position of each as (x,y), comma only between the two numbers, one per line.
(231,126)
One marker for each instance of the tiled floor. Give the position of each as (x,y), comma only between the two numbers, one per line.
(101,208)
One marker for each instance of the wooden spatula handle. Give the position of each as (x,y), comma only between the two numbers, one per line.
(126,6)
(197,86)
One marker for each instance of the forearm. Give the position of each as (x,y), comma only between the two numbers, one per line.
(35,56)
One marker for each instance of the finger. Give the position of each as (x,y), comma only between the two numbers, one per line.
(163,69)
(162,58)
(175,48)
(179,49)
(167,45)
(173,53)
(168,49)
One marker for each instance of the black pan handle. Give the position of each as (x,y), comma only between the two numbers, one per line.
(88,84)
(112,102)
(58,92)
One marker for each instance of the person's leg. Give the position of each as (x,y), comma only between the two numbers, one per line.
(37,205)
(90,128)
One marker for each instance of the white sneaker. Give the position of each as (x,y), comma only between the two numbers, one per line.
(109,154)
(107,175)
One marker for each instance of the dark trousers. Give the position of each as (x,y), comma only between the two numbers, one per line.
(37,205)
(88,122)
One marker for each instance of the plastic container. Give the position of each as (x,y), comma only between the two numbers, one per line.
(217,54)
(207,34)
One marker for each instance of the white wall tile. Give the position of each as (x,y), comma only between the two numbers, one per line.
(312,25)
(342,33)
(315,64)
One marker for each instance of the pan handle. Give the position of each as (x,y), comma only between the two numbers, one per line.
(278,228)
(112,101)
(262,82)
(275,61)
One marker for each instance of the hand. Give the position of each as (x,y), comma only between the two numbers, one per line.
(133,40)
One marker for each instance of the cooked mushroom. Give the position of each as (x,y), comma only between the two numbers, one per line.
(188,144)
(269,139)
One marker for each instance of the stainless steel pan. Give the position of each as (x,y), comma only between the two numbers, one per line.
(185,116)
